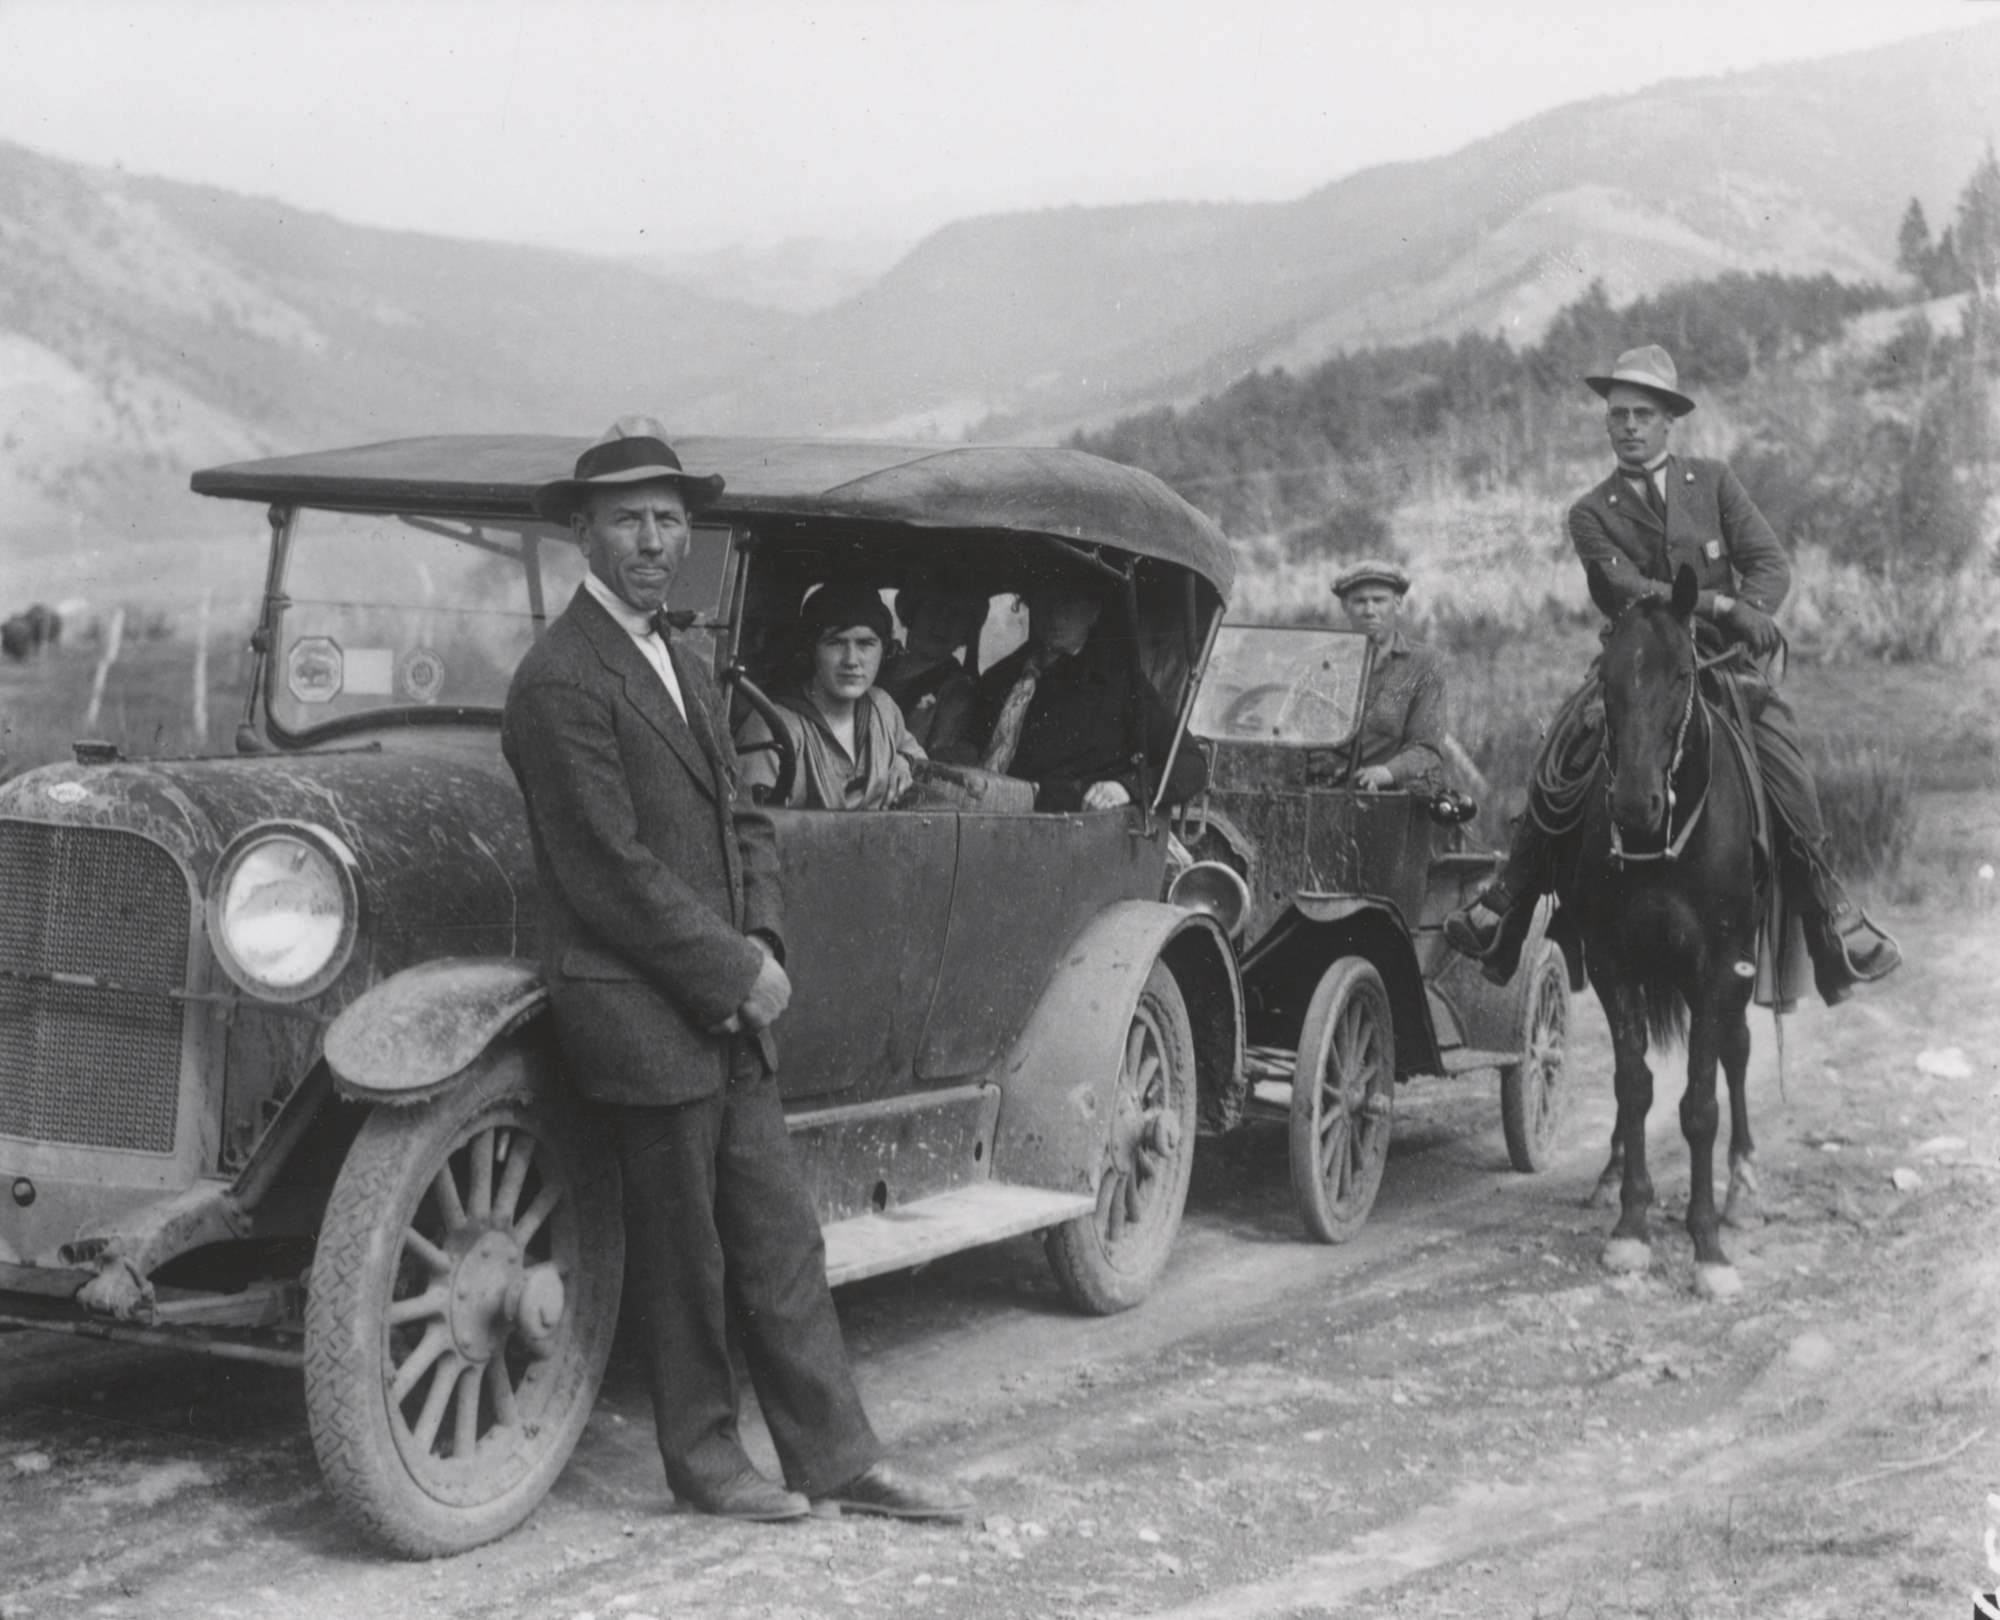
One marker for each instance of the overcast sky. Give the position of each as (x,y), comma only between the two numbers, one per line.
(633,126)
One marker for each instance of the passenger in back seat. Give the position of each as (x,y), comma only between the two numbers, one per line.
(930,684)
(854,751)
(1058,711)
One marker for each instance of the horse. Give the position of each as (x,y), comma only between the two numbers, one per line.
(1667,893)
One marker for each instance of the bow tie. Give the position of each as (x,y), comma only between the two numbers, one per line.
(666,621)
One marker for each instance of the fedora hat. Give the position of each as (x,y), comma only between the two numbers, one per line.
(1650,368)
(633,450)
(1372,571)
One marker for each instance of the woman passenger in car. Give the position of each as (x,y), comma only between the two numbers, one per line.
(854,751)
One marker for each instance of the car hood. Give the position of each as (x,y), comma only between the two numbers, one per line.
(439,837)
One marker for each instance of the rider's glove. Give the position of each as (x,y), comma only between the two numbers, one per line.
(1747,624)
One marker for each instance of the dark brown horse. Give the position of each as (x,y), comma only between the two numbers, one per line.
(1667,894)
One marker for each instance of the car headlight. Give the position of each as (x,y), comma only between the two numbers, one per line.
(282,910)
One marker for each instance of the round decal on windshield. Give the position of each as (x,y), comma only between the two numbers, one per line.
(312,669)
(422,675)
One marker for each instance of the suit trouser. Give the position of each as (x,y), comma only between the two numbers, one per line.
(718,1228)
(1788,784)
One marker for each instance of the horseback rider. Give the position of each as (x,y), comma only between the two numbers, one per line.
(1654,513)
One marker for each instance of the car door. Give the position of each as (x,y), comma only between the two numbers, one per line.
(868,895)
(1027,884)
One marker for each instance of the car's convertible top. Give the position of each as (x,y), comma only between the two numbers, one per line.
(1007,488)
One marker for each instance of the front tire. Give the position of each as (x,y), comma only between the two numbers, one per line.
(461,1306)
(1532,1093)
(1110,1259)
(1343,1100)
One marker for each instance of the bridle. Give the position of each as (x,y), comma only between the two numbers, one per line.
(1672,843)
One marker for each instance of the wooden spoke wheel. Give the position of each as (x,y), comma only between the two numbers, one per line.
(1110,1259)
(461,1306)
(1532,1093)
(1343,1097)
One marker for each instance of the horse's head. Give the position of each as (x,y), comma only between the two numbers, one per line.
(1649,686)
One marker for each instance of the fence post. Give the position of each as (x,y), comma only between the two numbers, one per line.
(114,639)
(201,673)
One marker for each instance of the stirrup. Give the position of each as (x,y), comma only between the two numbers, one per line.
(1888,953)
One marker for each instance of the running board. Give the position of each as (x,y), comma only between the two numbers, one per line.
(911,1234)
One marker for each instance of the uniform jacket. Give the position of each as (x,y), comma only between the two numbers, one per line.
(651,873)
(1711,524)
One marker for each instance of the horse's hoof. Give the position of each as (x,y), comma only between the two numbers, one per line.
(1717,1282)
(1626,1255)
(1744,1207)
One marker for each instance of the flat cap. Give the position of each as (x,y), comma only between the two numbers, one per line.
(1372,571)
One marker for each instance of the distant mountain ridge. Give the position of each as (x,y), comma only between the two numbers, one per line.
(148,327)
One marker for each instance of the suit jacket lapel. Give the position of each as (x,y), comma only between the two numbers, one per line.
(645,690)
(1622,497)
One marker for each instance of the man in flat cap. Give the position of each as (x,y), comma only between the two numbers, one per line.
(1400,741)
(1655,513)
(663,947)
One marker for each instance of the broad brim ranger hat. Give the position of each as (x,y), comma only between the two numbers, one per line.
(1650,368)
(1372,571)
(633,450)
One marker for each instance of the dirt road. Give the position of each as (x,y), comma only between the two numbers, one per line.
(1457,1413)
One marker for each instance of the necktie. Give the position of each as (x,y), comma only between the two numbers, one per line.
(1649,492)
(667,620)
(1013,712)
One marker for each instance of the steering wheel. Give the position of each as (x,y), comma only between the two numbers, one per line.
(779,742)
(1241,715)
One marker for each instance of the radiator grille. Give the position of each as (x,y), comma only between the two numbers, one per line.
(90,1067)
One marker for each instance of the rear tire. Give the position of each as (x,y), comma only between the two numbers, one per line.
(1532,1093)
(1343,1100)
(461,1306)
(1110,1259)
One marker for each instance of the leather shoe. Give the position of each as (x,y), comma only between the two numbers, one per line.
(1491,938)
(747,1494)
(1848,950)
(896,1492)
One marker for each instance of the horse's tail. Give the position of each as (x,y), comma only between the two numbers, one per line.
(1666,1013)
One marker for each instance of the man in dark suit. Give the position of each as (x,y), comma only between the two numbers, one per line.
(1069,711)
(1653,514)
(663,943)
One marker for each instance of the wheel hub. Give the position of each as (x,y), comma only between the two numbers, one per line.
(488,1287)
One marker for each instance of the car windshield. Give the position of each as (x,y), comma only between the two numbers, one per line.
(383,613)
(1300,686)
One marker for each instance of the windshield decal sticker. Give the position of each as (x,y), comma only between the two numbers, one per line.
(422,675)
(313,669)
(370,671)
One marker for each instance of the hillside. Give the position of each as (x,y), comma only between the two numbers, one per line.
(1076,314)
(148,327)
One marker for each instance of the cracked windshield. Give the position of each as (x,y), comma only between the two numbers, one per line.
(1299,687)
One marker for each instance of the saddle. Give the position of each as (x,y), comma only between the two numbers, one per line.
(1784,967)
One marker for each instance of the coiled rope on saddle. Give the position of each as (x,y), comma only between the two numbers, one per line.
(1571,758)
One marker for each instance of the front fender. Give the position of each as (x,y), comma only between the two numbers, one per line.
(1057,1083)
(404,1039)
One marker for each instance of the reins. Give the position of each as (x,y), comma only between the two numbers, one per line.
(1676,843)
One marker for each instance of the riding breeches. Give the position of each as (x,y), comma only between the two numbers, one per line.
(1541,840)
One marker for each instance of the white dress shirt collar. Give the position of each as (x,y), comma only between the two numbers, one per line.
(639,626)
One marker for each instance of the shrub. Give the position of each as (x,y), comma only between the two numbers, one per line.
(1868,795)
